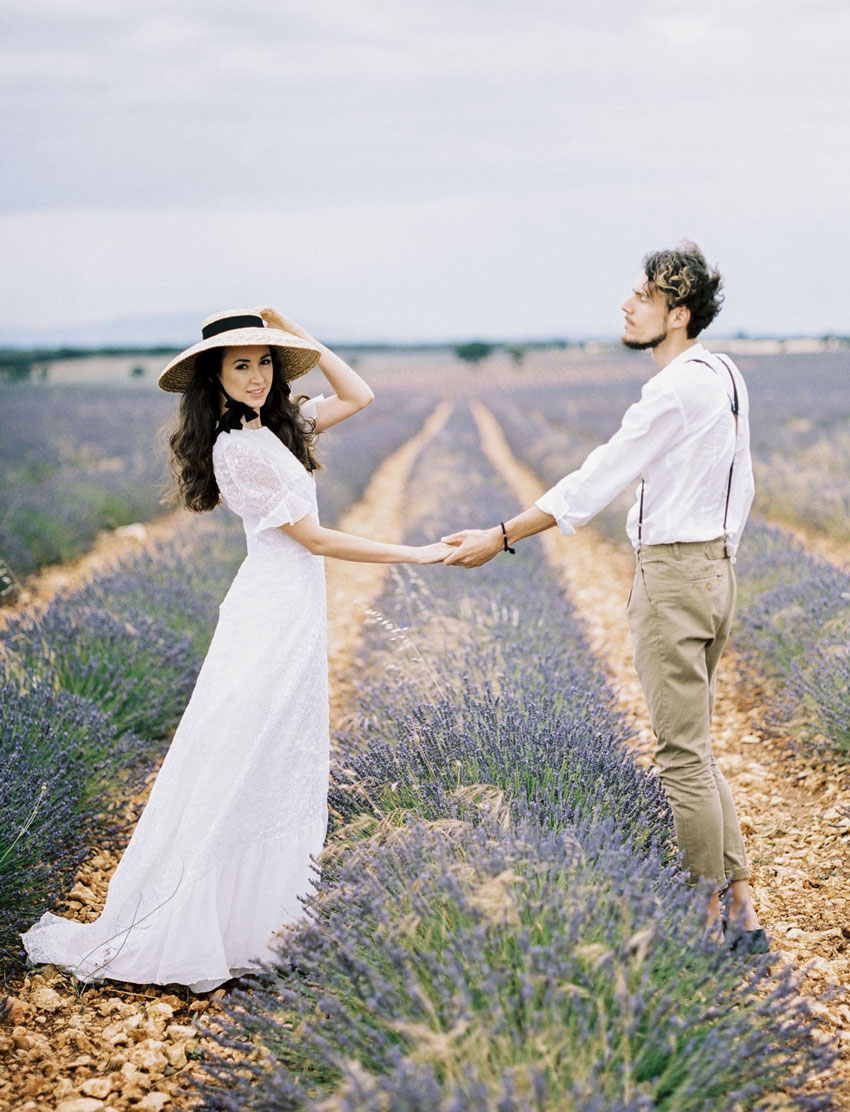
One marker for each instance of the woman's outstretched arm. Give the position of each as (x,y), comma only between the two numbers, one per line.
(345,546)
(351,393)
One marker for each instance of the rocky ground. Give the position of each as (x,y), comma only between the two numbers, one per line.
(68,1047)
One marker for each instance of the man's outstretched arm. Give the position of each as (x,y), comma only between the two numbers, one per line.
(474,547)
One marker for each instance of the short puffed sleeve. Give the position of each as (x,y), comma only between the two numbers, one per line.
(308,407)
(255,486)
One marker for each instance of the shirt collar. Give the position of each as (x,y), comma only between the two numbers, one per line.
(696,351)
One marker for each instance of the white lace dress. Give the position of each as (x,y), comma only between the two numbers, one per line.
(221,853)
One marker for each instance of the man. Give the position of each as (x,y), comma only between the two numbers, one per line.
(687,439)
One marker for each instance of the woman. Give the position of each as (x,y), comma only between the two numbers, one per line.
(220,857)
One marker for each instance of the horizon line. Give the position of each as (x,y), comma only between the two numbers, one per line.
(72,348)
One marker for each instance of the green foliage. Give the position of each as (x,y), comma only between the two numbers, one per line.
(516,353)
(15,366)
(474,351)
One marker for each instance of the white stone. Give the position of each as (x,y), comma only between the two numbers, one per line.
(80,1104)
(99,1087)
(154,1101)
(179,1032)
(46,999)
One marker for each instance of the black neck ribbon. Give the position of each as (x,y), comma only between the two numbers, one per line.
(234,413)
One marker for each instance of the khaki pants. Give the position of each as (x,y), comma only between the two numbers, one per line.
(680,612)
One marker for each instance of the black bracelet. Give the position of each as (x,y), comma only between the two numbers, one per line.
(507,547)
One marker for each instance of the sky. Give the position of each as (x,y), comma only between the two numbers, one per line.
(391,171)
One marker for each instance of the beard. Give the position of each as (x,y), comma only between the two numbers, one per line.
(643,345)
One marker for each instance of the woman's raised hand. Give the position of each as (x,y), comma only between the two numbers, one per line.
(277,320)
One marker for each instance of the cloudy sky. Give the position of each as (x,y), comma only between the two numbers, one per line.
(383,169)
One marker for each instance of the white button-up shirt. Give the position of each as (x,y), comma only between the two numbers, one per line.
(680,438)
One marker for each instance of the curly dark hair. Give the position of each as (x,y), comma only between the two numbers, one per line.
(192,439)
(685,278)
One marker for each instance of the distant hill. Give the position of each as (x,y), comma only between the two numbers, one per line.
(174,331)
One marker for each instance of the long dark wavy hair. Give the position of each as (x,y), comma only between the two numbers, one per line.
(192,440)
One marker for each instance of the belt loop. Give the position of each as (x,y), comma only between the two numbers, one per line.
(677,551)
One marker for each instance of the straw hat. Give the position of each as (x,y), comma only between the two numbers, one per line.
(238,328)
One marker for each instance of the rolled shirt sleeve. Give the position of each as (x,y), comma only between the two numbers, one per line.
(649,428)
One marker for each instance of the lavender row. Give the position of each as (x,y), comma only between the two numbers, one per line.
(514,665)
(793,630)
(500,923)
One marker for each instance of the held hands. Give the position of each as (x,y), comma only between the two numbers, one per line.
(470,548)
(431,553)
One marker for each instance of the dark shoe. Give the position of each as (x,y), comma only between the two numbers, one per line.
(747,942)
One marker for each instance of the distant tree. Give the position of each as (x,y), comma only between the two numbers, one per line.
(473,352)
(16,366)
(516,352)
(138,371)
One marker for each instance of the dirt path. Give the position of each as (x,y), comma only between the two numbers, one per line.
(796,820)
(353,588)
(67,1048)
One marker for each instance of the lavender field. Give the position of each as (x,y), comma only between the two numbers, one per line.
(73,461)
(501,922)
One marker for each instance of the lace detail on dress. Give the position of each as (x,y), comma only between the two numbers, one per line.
(261,481)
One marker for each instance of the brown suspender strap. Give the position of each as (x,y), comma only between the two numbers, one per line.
(734,405)
(640,515)
(735,415)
